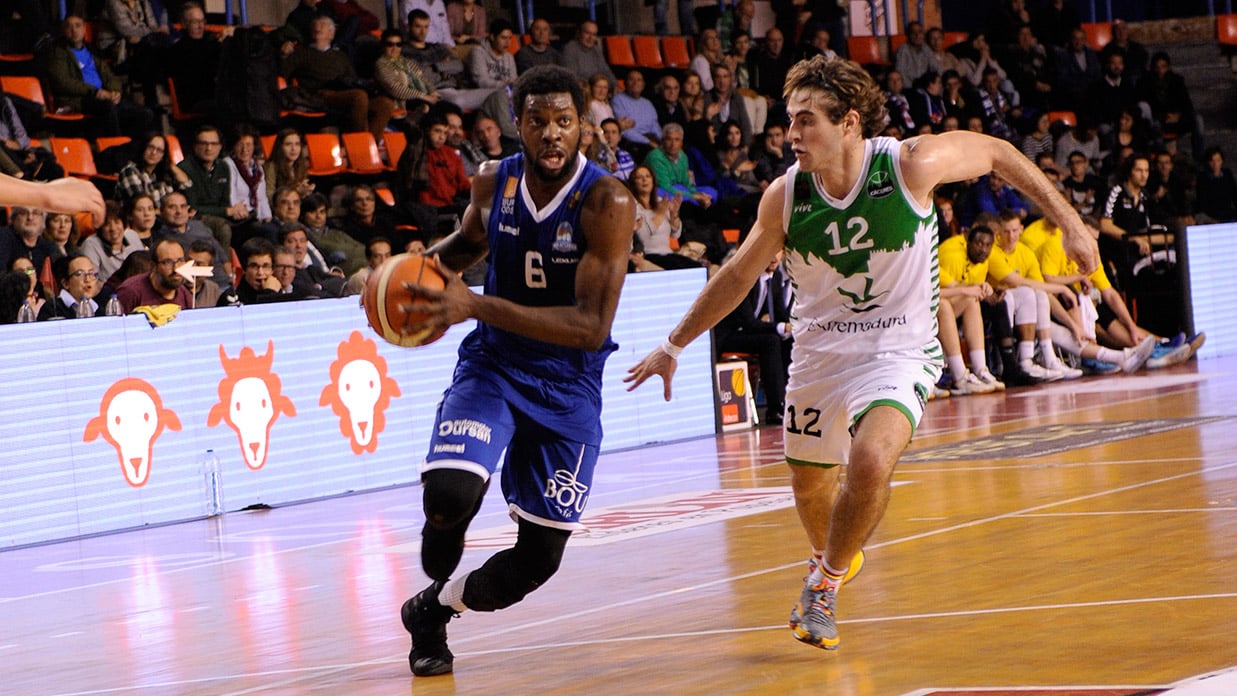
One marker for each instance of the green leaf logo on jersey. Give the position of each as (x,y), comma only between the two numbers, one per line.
(862,301)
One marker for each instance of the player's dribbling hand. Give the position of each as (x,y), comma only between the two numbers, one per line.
(657,362)
(441,308)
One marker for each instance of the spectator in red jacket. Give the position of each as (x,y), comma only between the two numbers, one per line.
(447,186)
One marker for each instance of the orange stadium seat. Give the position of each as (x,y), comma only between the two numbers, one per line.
(1067,117)
(1098,34)
(75,156)
(104,142)
(16,57)
(85,225)
(648,52)
(363,155)
(1226,29)
(326,156)
(395,141)
(268,145)
(28,87)
(174,150)
(865,50)
(675,51)
(618,51)
(953,37)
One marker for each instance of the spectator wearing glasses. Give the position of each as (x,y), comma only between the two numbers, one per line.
(291,284)
(209,191)
(79,282)
(401,79)
(177,224)
(258,284)
(150,172)
(163,285)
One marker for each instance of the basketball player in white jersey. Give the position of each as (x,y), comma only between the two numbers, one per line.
(855,218)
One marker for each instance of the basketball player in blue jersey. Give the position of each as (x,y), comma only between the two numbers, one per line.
(556,230)
(855,217)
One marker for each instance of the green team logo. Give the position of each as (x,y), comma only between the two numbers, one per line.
(880,184)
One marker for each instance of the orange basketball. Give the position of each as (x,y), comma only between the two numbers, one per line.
(385,293)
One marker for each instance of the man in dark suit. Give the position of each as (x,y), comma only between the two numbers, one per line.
(760,325)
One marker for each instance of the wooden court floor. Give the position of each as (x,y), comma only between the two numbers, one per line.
(1078,534)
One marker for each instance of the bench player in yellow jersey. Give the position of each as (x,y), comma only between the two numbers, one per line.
(855,217)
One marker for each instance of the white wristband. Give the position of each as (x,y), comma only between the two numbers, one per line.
(670,349)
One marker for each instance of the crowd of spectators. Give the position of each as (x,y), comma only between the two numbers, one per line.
(696,146)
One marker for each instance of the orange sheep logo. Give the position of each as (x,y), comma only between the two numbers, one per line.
(131,417)
(359,392)
(249,401)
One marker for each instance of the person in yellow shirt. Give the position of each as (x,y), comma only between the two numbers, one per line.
(1111,320)
(964,270)
(1030,300)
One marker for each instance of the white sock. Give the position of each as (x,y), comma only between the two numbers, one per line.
(817,575)
(957,369)
(1026,350)
(1109,355)
(1048,353)
(979,362)
(452,593)
(1062,337)
(831,576)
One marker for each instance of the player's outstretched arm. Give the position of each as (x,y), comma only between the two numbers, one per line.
(60,196)
(724,291)
(930,160)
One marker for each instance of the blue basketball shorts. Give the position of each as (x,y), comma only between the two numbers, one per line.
(546,476)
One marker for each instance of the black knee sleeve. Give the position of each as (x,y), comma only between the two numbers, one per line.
(451,496)
(451,499)
(511,574)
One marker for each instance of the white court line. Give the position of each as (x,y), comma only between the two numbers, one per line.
(1131,512)
(322,671)
(343,667)
(326,671)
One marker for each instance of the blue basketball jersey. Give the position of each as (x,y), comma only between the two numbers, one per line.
(533,259)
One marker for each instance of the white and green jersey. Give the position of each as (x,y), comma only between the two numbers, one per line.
(864,268)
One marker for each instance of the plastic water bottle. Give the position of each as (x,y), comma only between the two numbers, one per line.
(25,314)
(112,308)
(84,308)
(212,475)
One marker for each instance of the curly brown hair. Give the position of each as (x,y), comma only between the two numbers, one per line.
(849,85)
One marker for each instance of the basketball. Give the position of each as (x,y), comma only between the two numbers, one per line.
(385,293)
